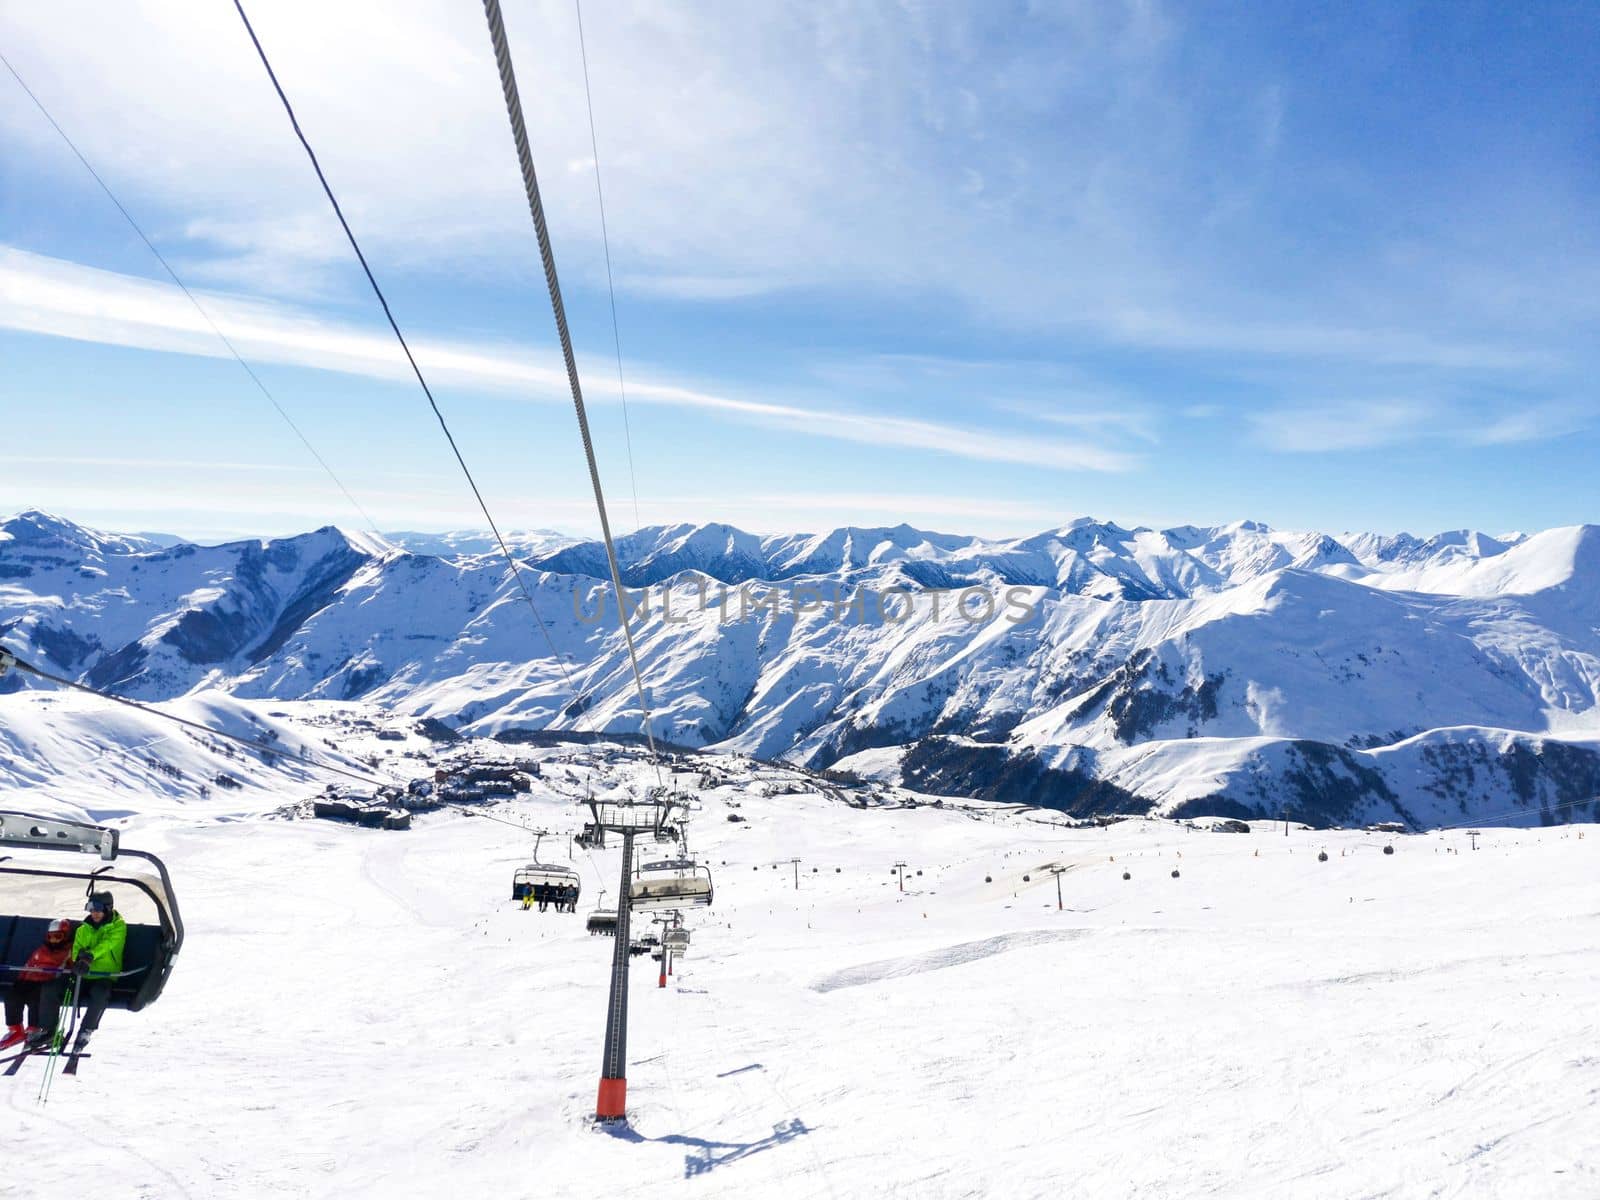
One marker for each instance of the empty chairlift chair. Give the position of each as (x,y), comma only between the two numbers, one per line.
(675,941)
(673,883)
(46,872)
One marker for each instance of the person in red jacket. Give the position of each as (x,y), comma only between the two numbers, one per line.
(44,965)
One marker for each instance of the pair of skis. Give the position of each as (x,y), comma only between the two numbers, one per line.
(13,1064)
(55,1049)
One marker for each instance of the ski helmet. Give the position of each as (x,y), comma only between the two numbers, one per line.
(100,901)
(59,930)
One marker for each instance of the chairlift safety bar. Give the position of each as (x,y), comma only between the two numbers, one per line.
(24,830)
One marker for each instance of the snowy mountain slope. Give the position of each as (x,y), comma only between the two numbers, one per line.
(1260,1025)
(82,758)
(785,647)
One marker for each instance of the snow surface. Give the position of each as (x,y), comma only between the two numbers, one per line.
(360,1013)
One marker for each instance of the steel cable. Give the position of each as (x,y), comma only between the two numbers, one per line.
(516,571)
(199,308)
(519,134)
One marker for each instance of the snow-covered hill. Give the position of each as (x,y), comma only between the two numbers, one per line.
(1236,669)
(366,1014)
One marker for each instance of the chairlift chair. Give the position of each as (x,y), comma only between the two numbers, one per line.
(671,883)
(540,874)
(43,882)
(675,940)
(534,874)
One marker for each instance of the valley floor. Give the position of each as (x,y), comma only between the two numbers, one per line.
(362,1013)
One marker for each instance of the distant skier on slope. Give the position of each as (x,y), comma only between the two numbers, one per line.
(43,966)
(96,956)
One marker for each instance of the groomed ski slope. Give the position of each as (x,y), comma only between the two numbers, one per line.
(360,1013)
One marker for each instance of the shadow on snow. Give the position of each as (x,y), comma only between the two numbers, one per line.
(708,1155)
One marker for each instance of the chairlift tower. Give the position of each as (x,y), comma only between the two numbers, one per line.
(900,870)
(630,819)
(1058,872)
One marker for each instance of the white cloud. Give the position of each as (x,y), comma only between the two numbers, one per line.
(62,299)
(746,148)
(1342,425)
(1369,423)
(1530,423)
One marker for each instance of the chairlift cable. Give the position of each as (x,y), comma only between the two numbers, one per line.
(9,660)
(519,133)
(516,571)
(611,287)
(206,316)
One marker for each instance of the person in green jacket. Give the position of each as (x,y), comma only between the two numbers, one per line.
(96,959)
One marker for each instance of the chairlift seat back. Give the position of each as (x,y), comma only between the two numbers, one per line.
(660,886)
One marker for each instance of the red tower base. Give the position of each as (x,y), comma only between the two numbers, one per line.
(613,1102)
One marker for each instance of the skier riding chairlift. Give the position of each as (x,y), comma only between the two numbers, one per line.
(541,883)
(41,880)
(538,883)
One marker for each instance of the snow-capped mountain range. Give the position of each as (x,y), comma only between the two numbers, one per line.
(1237,670)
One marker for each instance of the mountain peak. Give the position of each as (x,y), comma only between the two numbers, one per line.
(36,528)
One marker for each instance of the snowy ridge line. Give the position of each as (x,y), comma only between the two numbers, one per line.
(1333,694)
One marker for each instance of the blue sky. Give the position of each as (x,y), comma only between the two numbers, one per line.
(980,267)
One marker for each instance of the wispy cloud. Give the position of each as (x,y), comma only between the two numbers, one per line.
(1532,423)
(1369,423)
(1089,412)
(1342,425)
(63,299)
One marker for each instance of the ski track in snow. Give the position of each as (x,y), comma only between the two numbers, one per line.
(938,960)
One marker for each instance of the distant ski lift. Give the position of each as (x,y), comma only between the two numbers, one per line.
(602,922)
(592,836)
(671,883)
(41,884)
(675,940)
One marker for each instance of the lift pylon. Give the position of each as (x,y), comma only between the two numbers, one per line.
(649,818)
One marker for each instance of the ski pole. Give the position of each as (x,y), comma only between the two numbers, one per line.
(67,1014)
